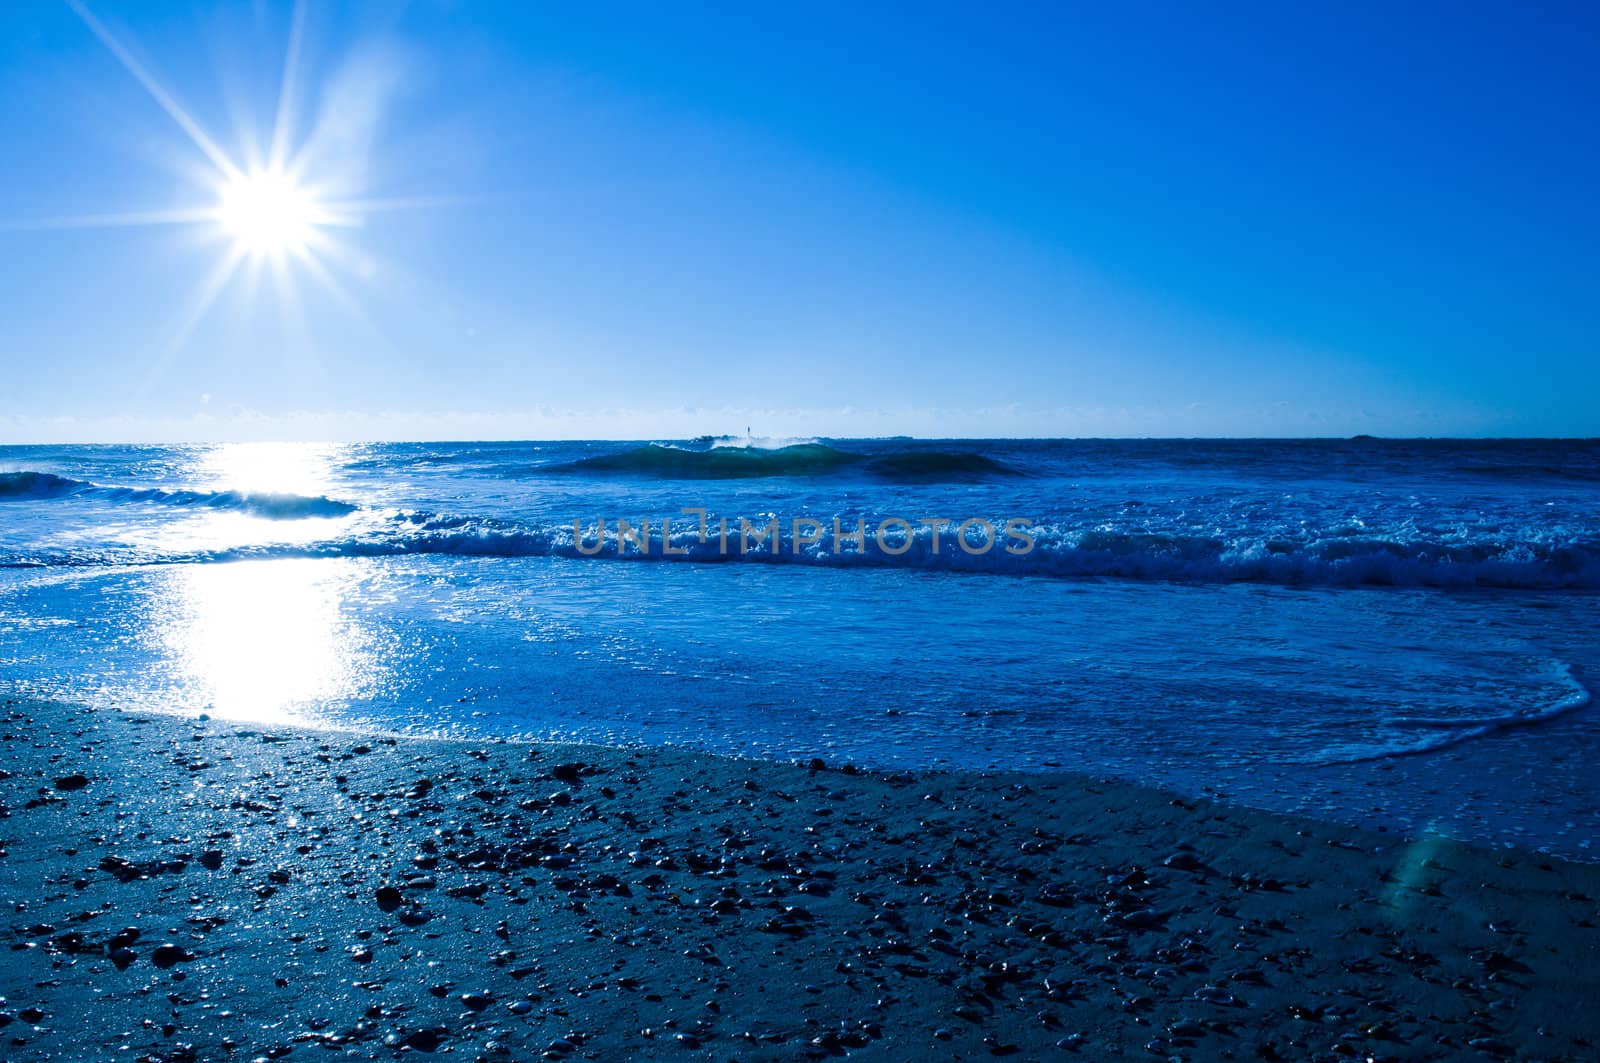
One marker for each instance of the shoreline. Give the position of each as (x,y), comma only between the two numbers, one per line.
(194,890)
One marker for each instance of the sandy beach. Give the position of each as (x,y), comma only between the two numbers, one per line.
(199,890)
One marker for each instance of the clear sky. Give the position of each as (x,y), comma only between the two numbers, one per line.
(506,220)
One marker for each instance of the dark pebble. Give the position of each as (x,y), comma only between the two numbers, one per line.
(167,955)
(423,1040)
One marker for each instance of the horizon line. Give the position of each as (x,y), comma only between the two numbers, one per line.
(799,440)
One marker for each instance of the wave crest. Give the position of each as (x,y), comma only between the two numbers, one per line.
(1056,552)
(27,485)
(729,462)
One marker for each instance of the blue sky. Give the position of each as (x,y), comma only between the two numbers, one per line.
(1251,220)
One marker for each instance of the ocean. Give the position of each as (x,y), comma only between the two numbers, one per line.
(1392,633)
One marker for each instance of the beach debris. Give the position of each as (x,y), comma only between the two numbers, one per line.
(712,897)
(570,772)
(1185,860)
(169,954)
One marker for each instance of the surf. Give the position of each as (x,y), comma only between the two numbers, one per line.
(28,485)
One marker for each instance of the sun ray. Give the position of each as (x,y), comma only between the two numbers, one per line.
(374,206)
(204,296)
(251,280)
(179,216)
(278,152)
(274,214)
(319,270)
(288,297)
(218,157)
(299,345)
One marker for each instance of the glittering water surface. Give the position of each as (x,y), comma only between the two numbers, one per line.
(1383,632)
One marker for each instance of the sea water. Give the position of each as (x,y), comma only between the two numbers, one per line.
(1395,633)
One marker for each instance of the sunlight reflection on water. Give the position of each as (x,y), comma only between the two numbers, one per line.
(269,468)
(267,641)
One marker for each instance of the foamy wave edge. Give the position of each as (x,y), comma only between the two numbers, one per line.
(1455,732)
(1056,553)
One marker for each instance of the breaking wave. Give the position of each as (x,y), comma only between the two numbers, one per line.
(28,485)
(1031,550)
(25,485)
(728,462)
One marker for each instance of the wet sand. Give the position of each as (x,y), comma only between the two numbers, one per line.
(180,890)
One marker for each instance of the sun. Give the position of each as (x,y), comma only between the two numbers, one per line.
(285,202)
(269,214)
